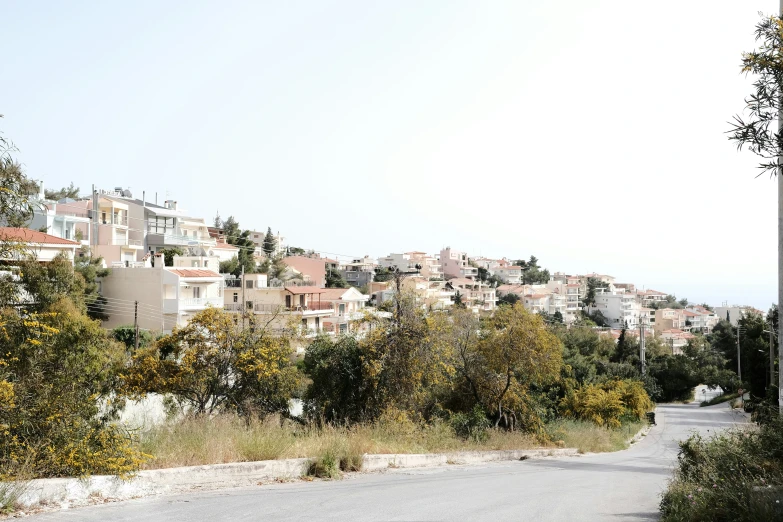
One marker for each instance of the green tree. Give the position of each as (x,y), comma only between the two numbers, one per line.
(509,299)
(66,192)
(230,266)
(270,243)
(212,366)
(338,392)
(515,350)
(383,274)
(16,205)
(127,335)
(531,272)
(169,253)
(335,280)
(235,236)
(91,269)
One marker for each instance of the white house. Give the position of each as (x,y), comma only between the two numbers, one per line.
(166,296)
(44,247)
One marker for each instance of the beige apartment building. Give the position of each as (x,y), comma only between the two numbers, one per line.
(166,296)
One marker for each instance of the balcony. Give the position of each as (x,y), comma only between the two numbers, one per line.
(172,306)
(309,309)
(113,220)
(133,243)
(156,238)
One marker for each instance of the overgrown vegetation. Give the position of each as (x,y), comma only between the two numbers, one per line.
(724,478)
(738,475)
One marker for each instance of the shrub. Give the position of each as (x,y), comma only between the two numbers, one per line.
(716,477)
(607,403)
(58,364)
(473,425)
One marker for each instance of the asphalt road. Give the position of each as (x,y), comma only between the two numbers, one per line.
(625,485)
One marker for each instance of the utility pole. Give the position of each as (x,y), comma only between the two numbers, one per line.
(136,322)
(739,365)
(642,348)
(780,248)
(242,282)
(771,358)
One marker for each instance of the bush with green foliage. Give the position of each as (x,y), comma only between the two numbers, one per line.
(715,477)
(473,425)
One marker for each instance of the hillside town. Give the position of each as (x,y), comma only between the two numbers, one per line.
(165,265)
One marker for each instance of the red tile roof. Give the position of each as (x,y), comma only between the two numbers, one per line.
(193,272)
(33,236)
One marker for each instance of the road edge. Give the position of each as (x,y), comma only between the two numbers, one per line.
(63,493)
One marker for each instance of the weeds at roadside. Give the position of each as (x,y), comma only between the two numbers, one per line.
(10,493)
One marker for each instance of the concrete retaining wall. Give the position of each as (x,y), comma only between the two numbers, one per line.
(67,492)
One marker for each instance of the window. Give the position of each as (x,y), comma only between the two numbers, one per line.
(317,323)
(236,297)
(343,328)
(103,217)
(67,234)
(248,305)
(161,225)
(196,292)
(249,284)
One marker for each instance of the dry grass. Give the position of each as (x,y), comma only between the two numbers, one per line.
(226,438)
(589,438)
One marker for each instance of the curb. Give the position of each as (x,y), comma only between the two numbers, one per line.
(63,493)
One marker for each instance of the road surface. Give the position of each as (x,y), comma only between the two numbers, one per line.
(625,485)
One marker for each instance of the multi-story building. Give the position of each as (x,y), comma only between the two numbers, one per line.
(669,319)
(359,272)
(430,265)
(277,305)
(124,228)
(162,296)
(619,309)
(455,264)
(703,320)
(508,274)
(348,309)
(476,295)
(651,296)
(60,219)
(401,262)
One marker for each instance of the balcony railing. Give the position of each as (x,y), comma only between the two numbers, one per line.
(265,308)
(190,303)
(171,238)
(114,220)
(126,242)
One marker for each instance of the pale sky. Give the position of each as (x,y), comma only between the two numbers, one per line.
(588,133)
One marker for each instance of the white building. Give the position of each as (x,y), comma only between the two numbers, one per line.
(166,296)
(43,247)
(619,309)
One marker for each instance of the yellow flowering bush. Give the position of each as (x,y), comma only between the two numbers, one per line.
(58,364)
